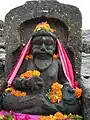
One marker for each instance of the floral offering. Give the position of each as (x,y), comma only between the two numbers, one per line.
(60,116)
(78,92)
(28,57)
(4,115)
(29,74)
(55,93)
(44,26)
(15,92)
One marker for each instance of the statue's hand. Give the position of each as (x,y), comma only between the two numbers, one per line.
(68,94)
(19,84)
(35,84)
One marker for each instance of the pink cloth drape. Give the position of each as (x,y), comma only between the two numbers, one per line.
(67,66)
(14,71)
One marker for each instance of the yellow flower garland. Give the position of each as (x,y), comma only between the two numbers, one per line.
(44,26)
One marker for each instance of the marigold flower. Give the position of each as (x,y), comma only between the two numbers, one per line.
(17,93)
(56,86)
(36,73)
(55,94)
(78,92)
(23,94)
(53,99)
(55,56)
(29,74)
(13,92)
(28,57)
(8,89)
(59,115)
(22,76)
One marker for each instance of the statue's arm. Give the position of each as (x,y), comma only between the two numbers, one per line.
(32,85)
(18,83)
(61,77)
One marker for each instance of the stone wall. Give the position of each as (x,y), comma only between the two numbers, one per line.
(86,41)
(2,50)
(85,71)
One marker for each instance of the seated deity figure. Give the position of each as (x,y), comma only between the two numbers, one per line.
(43,83)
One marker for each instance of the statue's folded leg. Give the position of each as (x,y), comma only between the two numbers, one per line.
(17,103)
(37,104)
(26,104)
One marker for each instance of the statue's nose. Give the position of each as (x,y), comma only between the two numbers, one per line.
(43,48)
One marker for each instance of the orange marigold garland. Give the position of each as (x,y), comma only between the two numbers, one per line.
(55,93)
(60,116)
(18,93)
(78,92)
(15,92)
(29,74)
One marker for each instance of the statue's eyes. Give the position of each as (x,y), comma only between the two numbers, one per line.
(45,40)
(37,42)
(48,42)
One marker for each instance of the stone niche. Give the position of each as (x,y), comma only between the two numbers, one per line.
(66,19)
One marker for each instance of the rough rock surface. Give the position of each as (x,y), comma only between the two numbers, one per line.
(85,73)
(85,69)
(86,41)
(2,50)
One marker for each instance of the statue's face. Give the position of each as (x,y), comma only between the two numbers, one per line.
(43,46)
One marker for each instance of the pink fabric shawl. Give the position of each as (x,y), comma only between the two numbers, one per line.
(15,69)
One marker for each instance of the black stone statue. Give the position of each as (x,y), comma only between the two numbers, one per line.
(43,46)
